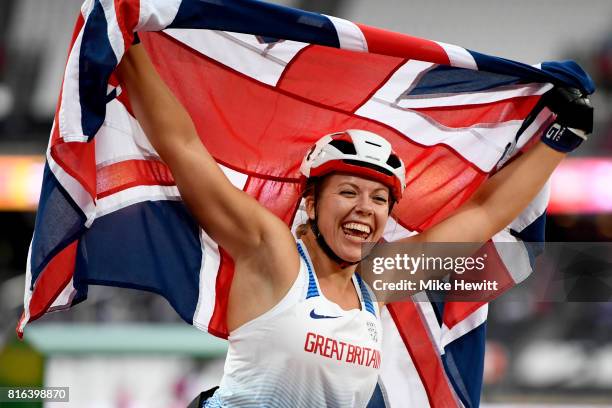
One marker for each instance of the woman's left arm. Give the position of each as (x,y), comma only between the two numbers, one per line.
(502,197)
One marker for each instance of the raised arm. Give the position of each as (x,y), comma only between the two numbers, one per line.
(231,217)
(501,198)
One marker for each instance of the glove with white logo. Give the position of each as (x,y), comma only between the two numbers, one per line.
(574,119)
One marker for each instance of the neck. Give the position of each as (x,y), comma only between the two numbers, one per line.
(326,268)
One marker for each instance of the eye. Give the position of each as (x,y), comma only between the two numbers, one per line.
(348,193)
(380,199)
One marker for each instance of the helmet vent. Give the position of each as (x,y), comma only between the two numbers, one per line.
(373,144)
(394,162)
(344,146)
(368,165)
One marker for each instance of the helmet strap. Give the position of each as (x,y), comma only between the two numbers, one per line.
(326,248)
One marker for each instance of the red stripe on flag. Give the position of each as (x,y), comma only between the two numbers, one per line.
(456,312)
(52,280)
(218,321)
(55,135)
(324,65)
(423,353)
(277,196)
(404,46)
(488,113)
(77,155)
(495,271)
(128,14)
(18,328)
(245,124)
(130,173)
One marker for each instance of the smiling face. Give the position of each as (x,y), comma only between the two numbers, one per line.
(350,210)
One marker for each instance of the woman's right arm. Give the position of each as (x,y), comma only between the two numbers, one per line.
(232,218)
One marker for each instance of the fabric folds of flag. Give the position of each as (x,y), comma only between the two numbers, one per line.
(262,84)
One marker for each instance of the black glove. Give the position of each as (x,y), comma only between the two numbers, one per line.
(574,118)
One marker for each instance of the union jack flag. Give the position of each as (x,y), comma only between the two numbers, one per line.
(262,83)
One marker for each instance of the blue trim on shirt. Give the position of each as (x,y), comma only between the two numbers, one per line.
(313,291)
(365,294)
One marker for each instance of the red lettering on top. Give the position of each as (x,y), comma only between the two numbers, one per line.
(309,345)
(328,345)
(331,348)
(350,354)
(342,346)
(334,350)
(319,344)
(358,355)
(366,355)
(374,360)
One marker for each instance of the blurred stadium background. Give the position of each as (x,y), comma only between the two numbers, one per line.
(128,349)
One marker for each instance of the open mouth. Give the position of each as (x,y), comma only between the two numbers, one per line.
(356,231)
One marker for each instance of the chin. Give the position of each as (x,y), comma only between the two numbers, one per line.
(350,251)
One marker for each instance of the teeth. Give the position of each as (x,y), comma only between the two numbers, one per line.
(357,226)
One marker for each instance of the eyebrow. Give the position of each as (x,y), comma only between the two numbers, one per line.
(356,187)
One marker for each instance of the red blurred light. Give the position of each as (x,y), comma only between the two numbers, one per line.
(582,185)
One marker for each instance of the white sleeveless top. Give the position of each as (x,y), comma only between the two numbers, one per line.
(304,352)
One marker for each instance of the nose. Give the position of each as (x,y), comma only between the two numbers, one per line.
(364,205)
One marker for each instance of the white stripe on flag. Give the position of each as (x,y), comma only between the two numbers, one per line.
(395,232)
(134,195)
(69,115)
(459,57)
(513,254)
(400,379)
(242,52)
(27,293)
(121,138)
(402,80)
(483,146)
(235,177)
(474,98)
(429,315)
(115,36)
(209,269)
(138,194)
(156,15)
(478,317)
(349,35)
(64,299)
(535,126)
(406,77)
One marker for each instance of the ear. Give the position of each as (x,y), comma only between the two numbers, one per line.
(309,203)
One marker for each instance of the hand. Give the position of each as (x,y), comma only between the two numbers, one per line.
(574,119)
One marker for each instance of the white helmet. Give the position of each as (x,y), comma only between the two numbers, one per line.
(358,152)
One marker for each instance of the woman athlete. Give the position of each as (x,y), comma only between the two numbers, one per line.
(304,331)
